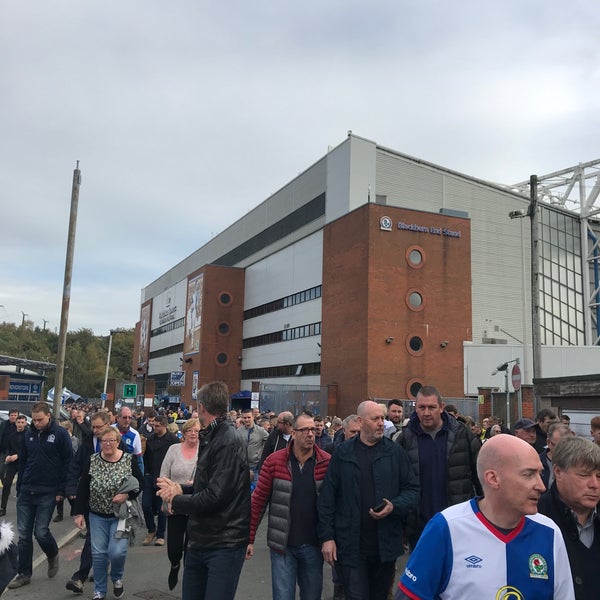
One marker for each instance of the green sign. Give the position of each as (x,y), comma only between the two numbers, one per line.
(130,390)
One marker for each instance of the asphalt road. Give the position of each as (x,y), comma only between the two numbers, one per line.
(146,569)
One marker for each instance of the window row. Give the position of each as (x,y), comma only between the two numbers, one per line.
(282,371)
(284,335)
(297,298)
(178,349)
(168,327)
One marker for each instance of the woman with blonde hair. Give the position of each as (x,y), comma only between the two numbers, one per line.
(179,465)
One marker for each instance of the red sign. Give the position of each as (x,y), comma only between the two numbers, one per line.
(516,378)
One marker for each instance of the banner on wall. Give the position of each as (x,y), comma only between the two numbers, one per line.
(144,335)
(193,315)
(195,376)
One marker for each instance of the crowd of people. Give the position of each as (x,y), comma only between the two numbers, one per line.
(505,513)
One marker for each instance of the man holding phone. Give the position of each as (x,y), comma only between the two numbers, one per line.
(368,490)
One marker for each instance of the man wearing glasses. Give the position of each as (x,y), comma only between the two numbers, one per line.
(129,436)
(289,482)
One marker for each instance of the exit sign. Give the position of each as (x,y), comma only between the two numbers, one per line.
(130,390)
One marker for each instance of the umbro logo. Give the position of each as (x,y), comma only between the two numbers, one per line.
(474,562)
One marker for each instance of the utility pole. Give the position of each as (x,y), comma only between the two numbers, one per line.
(536,340)
(66,300)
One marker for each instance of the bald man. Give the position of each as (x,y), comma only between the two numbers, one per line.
(497,546)
(368,491)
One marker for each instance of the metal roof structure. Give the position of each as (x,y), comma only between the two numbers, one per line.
(25,363)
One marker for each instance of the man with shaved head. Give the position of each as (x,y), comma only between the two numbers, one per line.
(495,546)
(367,493)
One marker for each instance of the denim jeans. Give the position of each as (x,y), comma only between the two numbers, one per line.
(370,580)
(34,512)
(213,574)
(106,548)
(303,564)
(151,505)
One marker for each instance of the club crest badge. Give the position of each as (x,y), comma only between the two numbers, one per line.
(538,567)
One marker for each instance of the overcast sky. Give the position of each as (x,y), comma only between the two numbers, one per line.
(187,114)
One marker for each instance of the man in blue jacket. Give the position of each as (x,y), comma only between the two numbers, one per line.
(368,490)
(43,464)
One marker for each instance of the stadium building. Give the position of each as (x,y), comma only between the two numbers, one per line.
(373,273)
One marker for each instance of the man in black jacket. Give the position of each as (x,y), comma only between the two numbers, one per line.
(280,437)
(572,503)
(156,449)
(218,503)
(444,454)
(11,459)
(43,464)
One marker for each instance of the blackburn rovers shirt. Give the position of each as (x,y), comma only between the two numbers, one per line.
(461,554)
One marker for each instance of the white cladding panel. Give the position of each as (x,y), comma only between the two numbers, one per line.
(293,269)
(294,352)
(301,190)
(167,339)
(165,364)
(170,305)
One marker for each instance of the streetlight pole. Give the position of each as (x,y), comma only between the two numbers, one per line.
(536,339)
(504,367)
(107,367)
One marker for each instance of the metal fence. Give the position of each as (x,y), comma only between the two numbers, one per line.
(293,398)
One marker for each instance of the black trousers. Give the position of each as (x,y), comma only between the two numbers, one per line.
(176,537)
(370,580)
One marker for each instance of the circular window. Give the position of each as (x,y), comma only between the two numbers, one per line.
(222,359)
(225,298)
(415,343)
(223,328)
(415,257)
(414,300)
(413,387)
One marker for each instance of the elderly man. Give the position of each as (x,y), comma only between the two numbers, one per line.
(444,453)
(572,502)
(289,482)
(218,503)
(495,546)
(525,430)
(368,491)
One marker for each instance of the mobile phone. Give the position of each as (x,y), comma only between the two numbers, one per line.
(380,506)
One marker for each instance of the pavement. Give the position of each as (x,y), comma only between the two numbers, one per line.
(146,569)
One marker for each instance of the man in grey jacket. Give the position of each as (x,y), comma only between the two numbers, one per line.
(253,437)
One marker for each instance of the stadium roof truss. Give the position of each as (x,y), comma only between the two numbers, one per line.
(577,190)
